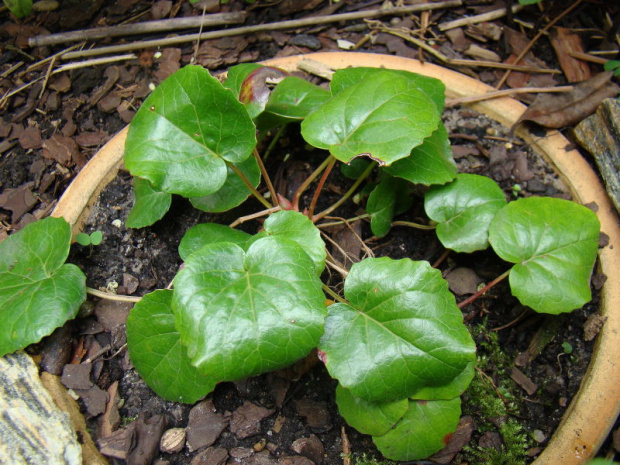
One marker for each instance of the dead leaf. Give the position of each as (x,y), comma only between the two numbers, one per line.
(564,42)
(568,108)
(60,148)
(457,441)
(19,201)
(169,62)
(30,138)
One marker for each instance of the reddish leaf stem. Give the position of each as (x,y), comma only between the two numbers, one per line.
(319,187)
(261,165)
(308,181)
(484,289)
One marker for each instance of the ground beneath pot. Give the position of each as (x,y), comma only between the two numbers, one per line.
(50,131)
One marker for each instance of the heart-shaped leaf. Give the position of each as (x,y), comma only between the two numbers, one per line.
(157,354)
(429,163)
(401,332)
(391,197)
(186,131)
(233,192)
(426,428)
(38,291)
(464,210)
(371,418)
(382,117)
(203,234)
(295,226)
(244,313)
(291,100)
(553,243)
(149,205)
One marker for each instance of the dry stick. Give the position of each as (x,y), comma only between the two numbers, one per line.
(460,62)
(146,27)
(588,57)
(489,16)
(505,93)
(290,24)
(243,219)
(93,62)
(115,297)
(529,46)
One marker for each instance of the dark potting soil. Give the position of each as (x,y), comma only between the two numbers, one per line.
(300,402)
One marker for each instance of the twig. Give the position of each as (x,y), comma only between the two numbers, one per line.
(146,27)
(42,62)
(529,46)
(115,297)
(346,447)
(93,62)
(484,289)
(461,62)
(489,16)
(337,268)
(505,93)
(290,24)
(587,57)
(253,216)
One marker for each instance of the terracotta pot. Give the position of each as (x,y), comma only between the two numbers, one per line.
(594,409)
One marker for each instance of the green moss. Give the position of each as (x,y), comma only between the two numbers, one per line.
(365,459)
(512,452)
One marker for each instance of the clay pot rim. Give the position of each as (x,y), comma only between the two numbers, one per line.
(592,412)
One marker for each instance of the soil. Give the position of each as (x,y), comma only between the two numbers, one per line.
(50,133)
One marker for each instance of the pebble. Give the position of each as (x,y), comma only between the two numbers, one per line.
(306,40)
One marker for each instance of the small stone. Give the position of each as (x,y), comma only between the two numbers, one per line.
(539,436)
(310,447)
(45,5)
(210,456)
(172,441)
(246,420)
(463,281)
(204,426)
(316,413)
(240,453)
(109,103)
(306,40)
(77,376)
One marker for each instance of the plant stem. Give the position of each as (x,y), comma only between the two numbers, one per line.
(348,220)
(318,189)
(273,142)
(261,165)
(441,259)
(308,181)
(243,219)
(339,269)
(411,224)
(469,300)
(333,295)
(115,297)
(249,185)
(347,194)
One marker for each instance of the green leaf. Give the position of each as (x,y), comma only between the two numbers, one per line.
(401,332)
(38,292)
(157,354)
(354,168)
(391,197)
(464,210)
(448,391)
(347,77)
(369,417)
(298,228)
(233,192)
(186,131)
(382,117)
(149,204)
(20,8)
(82,239)
(96,237)
(429,163)
(203,234)
(553,243)
(292,100)
(529,2)
(426,428)
(244,313)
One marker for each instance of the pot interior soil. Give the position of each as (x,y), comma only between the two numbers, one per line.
(508,410)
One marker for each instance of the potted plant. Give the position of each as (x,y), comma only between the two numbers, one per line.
(286,316)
